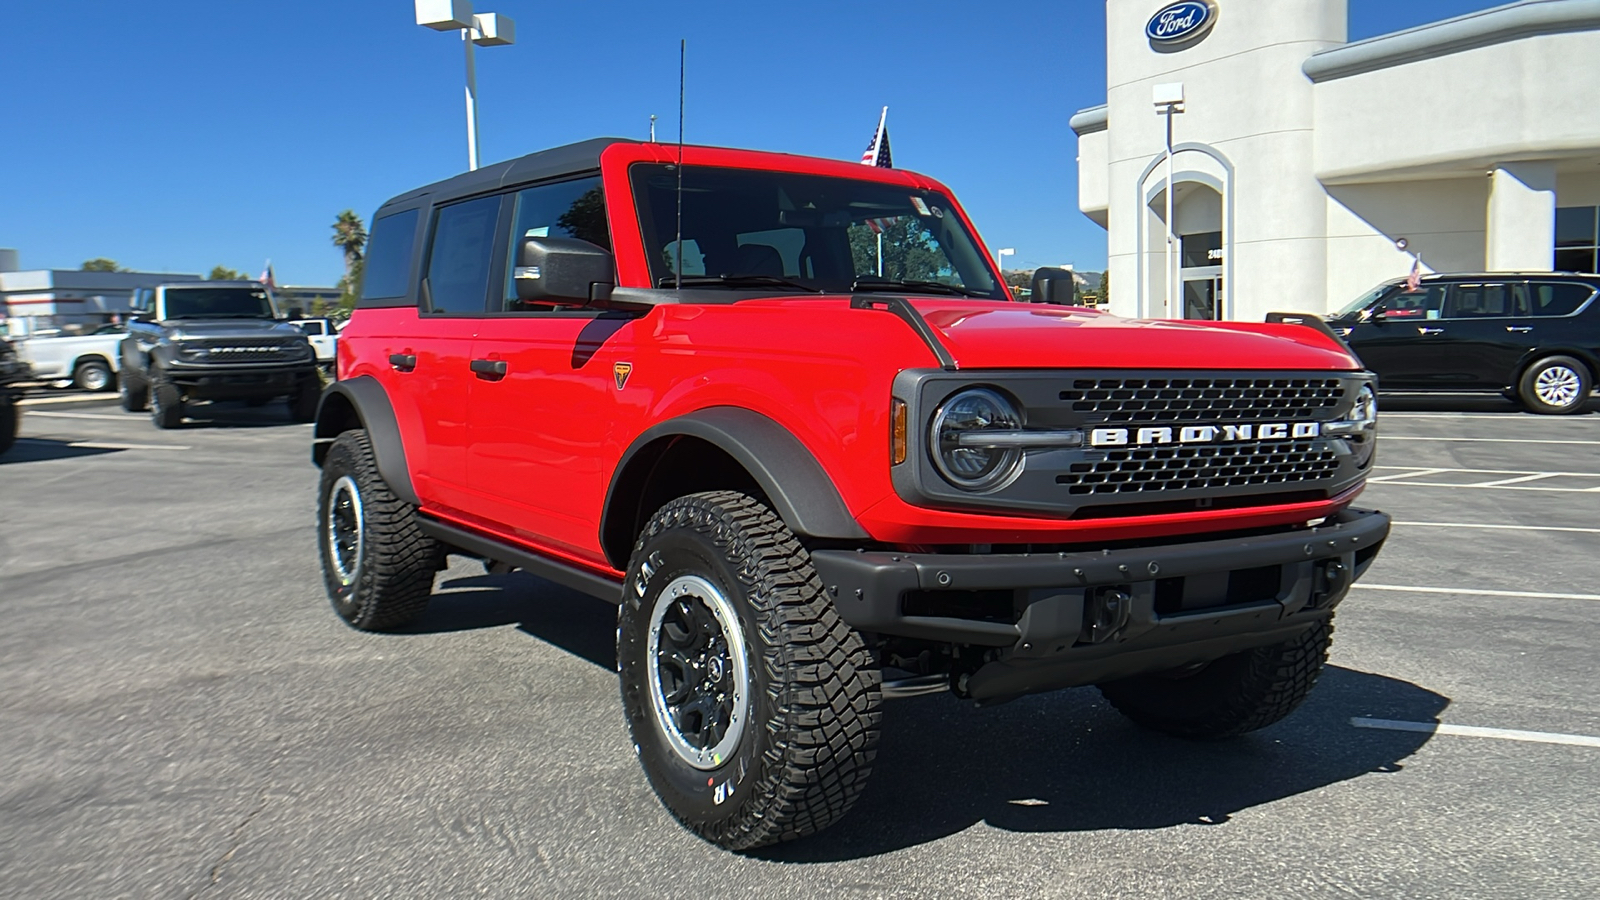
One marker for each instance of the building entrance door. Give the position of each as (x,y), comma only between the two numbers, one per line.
(1202,293)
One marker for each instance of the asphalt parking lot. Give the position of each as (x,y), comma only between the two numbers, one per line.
(182,715)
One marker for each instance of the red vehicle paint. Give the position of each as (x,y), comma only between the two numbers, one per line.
(993,497)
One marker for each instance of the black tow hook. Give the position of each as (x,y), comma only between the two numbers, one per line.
(1333,579)
(1104,614)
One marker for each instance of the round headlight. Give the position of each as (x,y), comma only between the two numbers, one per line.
(974,468)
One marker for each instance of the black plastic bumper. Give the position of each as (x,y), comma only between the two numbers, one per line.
(1186,602)
(244,382)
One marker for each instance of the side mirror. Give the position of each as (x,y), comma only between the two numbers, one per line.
(563,270)
(1379,314)
(1054,285)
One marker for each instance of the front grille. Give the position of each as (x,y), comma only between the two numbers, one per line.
(243,351)
(1195,399)
(1157,469)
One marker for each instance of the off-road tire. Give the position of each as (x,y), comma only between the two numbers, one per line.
(303,403)
(134,391)
(93,375)
(811,732)
(394,571)
(166,405)
(1570,373)
(1230,696)
(10,423)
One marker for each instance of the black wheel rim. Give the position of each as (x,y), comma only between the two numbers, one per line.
(699,678)
(345,530)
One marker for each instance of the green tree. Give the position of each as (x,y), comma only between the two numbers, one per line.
(223,273)
(910,251)
(1105,288)
(350,236)
(101,264)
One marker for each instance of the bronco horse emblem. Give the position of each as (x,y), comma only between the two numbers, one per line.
(620,372)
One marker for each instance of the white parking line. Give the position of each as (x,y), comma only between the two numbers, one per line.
(1502,417)
(107,445)
(1503,734)
(1470,592)
(61,415)
(1496,527)
(1484,440)
(74,398)
(1512,480)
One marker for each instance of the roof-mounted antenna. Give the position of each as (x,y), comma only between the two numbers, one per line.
(677,268)
(652,128)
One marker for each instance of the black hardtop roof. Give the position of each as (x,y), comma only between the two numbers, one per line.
(569,159)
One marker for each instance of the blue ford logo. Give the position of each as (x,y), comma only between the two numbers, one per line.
(1179,21)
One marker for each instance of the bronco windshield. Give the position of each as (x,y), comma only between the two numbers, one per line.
(218,303)
(751,228)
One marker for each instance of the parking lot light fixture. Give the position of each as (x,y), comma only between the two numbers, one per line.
(482,29)
(1000,257)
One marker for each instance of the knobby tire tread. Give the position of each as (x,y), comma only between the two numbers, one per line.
(395,581)
(823,679)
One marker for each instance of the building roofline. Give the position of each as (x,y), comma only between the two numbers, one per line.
(1088,121)
(1514,21)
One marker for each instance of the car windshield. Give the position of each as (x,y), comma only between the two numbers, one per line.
(779,231)
(1364,301)
(218,303)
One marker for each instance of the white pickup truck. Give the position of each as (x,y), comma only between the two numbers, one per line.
(324,338)
(89,360)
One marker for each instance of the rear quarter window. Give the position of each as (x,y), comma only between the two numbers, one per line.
(1558,299)
(388,263)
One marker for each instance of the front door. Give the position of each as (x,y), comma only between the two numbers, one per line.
(1202,294)
(1390,336)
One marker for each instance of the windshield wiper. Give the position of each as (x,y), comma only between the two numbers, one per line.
(736,281)
(874,283)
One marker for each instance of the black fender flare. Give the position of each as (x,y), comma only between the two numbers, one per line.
(800,490)
(366,398)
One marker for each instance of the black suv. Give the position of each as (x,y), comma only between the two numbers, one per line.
(214,340)
(1533,336)
(12,370)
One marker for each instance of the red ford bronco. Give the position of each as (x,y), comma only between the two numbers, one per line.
(784,412)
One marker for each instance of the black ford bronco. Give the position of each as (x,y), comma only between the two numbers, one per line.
(214,340)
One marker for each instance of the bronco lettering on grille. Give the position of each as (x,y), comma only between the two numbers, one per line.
(1203,434)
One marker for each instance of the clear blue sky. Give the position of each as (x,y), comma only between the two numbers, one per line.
(176,136)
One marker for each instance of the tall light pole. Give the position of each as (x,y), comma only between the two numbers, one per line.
(1000,257)
(482,29)
(1168,99)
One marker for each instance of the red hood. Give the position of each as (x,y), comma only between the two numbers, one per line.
(986,335)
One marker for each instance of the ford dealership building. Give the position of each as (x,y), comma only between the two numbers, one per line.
(1305,169)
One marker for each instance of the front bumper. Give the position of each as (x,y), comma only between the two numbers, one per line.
(1184,602)
(230,383)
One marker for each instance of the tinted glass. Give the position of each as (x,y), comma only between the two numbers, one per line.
(1420,304)
(310,327)
(1479,301)
(458,263)
(1558,299)
(1203,249)
(217,303)
(825,233)
(387,269)
(569,209)
(1575,226)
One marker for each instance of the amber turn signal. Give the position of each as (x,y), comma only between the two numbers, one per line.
(897,439)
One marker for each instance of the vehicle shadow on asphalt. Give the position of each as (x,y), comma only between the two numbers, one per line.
(1473,403)
(236,415)
(574,622)
(1068,762)
(1063,761)
(28,450)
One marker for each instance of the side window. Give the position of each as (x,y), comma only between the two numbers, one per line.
(458,259)
(311,327)
(567,209)
(1478,301)
(388,264)
(1419,304)
(1558,299)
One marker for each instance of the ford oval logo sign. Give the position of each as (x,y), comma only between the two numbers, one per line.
(1180,22)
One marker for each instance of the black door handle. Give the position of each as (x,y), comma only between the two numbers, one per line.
(403,361)
(493,368)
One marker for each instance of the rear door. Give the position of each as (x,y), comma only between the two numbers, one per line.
(1481,336)
(436,367)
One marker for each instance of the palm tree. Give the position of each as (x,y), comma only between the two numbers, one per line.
(350,236)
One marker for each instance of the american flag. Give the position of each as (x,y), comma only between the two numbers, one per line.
(1414,280)
(879,226)
(266,277)
(877,152)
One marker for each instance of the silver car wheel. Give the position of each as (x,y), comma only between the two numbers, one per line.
(345,530)
(1557,386)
